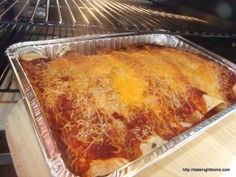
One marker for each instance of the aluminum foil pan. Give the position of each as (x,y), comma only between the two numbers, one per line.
(88,45)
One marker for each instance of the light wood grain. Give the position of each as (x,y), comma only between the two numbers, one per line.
(216,148)
(24,147)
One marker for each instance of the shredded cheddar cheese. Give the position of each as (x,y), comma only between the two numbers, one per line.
(129,86)
(106,105)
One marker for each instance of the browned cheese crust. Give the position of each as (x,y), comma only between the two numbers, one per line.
(108,109)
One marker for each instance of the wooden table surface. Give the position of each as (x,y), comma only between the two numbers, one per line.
(216,148)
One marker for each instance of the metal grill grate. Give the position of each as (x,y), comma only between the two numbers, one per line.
(111,14)
(6,81)
(13,33)
(85,12)
(28,20)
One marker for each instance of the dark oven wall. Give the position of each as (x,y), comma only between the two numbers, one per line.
(225,9)
(222,9)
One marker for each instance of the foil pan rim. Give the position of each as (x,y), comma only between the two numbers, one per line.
(53,159)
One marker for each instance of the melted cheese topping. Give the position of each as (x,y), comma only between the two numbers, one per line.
(130,87)
(105,106)
(194,65)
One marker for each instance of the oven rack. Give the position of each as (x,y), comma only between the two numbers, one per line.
(6,81)
(12,33)
(128,15)
(30,20)
(115,14)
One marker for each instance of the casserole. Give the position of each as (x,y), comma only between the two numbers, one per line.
(88,46)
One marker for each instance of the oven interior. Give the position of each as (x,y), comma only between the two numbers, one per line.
(32,20)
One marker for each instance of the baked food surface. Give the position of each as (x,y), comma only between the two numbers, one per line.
(110,108)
